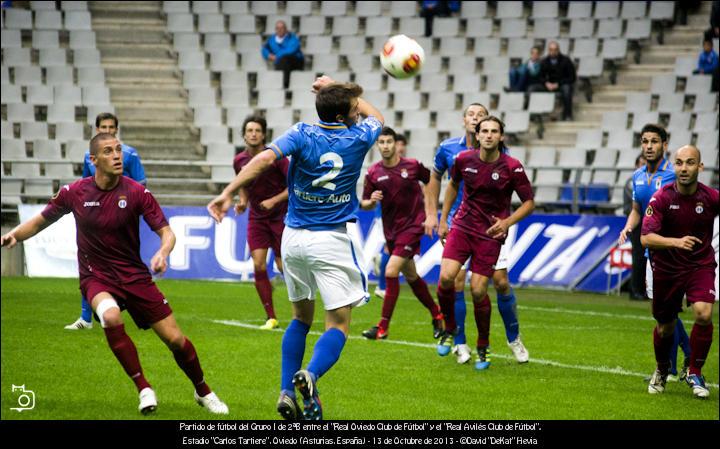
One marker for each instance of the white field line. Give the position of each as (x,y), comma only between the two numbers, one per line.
(597,369)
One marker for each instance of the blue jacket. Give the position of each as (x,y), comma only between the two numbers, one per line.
(707,61)
(290,46)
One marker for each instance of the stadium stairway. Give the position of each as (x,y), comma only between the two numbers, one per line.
(149,99)
(656,59)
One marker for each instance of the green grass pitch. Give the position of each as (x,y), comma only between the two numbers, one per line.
(588,356)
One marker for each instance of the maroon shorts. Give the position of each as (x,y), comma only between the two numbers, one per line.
(405,245)
(145,303)
(483,252)
(263,234)
(668,292)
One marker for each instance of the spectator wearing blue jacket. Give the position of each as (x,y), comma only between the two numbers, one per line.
(283,49)
(707,59)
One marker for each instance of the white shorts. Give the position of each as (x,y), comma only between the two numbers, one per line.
(648,279)
(328,261)
(502,262)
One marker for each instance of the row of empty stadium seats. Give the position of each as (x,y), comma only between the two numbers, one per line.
(657,10)
(22,19)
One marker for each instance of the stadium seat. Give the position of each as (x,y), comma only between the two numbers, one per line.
(82,39)
(662,10)
(95,95)
(378,99)
(20,113)
(13,149)
(705,122)
(16,57)
(511,101)
(8,131)
(236,97)
(10,38)
(548,176)
(589,138)
(4,75)
(407,101)
(85,57)
(513,28)
(431,82)
(661,84)
(452,46)
(11,94)
(638,101)
(486,47)
(446,27)
(609,28)
(589,67)
(25,170)
(679,121)
(541,156)
(53,57)
(333,8)
(679,138)
(74,6)
(18,19)
(516,122)
(475,97)
(269,99)
(11,190)
(606,9)
(423,136)
(33,130)
(345,26)
(66,131)
(604,177)
(705,103)
(242,23)
(466,82)
(205,7)
(41,188)
(180,23)
(176,7)
(620,138)
(207,116)
(352,45)
(684,65)
(638,29)
(579,10)
(235,116)
(541,102)
(213,134)
(546,194)
(520,48)
(28,76)
(479,27)
(670,102)
(615,120)
(377,26)
(605,157)
(196,78)
(368,8)
(641,119)
(186,41)
(318,45)
(48,20)
(614,49)
(544,10)
(223,60)
(282,117)
(303,80)
(78,20)
(59,171)
(585,48)
(62,114)
(473,10)
(633,9)
(211,23)
(45,39)
(580,28)
(412,26)
(69,95)
(325,63)
(419,120)
(42,5)
(403,9)
(626,159)
(94,109)
(224,173)
(216,41)
(46,149)
(39,95)
(311,25)
(545,28)
(698,84)
(56,76)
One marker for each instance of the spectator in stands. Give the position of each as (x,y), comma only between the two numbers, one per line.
(106,122)
(707,59)
(527,74)
(283,49)
(637,279)
(430,9)
(557,73)
(401,145)
(714,30)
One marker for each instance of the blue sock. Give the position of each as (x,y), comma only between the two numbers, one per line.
(385,257)
(508,311)
(684,339)
(86,312)
(293,349)
(326,352)
(460,312)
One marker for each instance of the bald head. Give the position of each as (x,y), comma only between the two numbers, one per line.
(687,152)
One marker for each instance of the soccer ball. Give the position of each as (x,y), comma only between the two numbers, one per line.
(402,57)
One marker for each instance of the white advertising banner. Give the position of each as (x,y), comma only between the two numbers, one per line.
(52,252)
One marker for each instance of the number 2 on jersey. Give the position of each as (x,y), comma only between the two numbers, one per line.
(324,180)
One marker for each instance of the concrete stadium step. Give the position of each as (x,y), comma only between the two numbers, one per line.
(167,189)
(167,94)
(138,63)
(123,24)
(138,52)
(153,132)
(184,200)
(124,6)
(103,36)
(175,171)
(133,111)
(151,73)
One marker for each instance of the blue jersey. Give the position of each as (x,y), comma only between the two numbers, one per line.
(324,169)
(644,185)
(132,167)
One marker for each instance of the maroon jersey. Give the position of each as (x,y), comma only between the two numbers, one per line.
(108,235)
(270,183)
(487,191)
(403,208)
(672,214)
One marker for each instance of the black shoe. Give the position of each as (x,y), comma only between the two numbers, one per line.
(375,333)
(288,408)
(437,324)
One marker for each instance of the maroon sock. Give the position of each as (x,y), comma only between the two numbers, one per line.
(700,341)
(483,310)
(420,289)
(392,291)
(126,353)
(662,350)
(446,298)
(187,360)
(264,289)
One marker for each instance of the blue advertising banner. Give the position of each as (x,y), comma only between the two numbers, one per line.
(546,250)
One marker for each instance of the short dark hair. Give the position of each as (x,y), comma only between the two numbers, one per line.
(401,138)
(336,99)
(256,119)
(655,128)
(387,131)
(95,142)
(475,104)
(538,48)
(106,116)
(490,118)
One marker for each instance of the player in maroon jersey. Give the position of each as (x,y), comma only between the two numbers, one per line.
(267,198)
(107,209)
(394,182)
(480,225)
(678,230)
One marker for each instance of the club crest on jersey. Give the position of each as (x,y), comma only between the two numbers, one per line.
(699,208)
(404,173)
(495,176)
(122,203)
(649,211)
(658,183)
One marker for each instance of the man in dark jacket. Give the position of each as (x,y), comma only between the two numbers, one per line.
(557,73)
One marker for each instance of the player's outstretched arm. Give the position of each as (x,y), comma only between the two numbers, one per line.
(24,231)
(501,226)
(218,207)
(158,263)
(366,109)
(432,193)
(369,204)
(632,221)
(275,200)
(657,242)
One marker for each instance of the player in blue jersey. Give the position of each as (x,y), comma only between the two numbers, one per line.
(317,251)
(106,122)
(647,180)
(444,160)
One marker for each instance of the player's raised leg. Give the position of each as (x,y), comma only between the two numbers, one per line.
(187,359)
(108,310)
